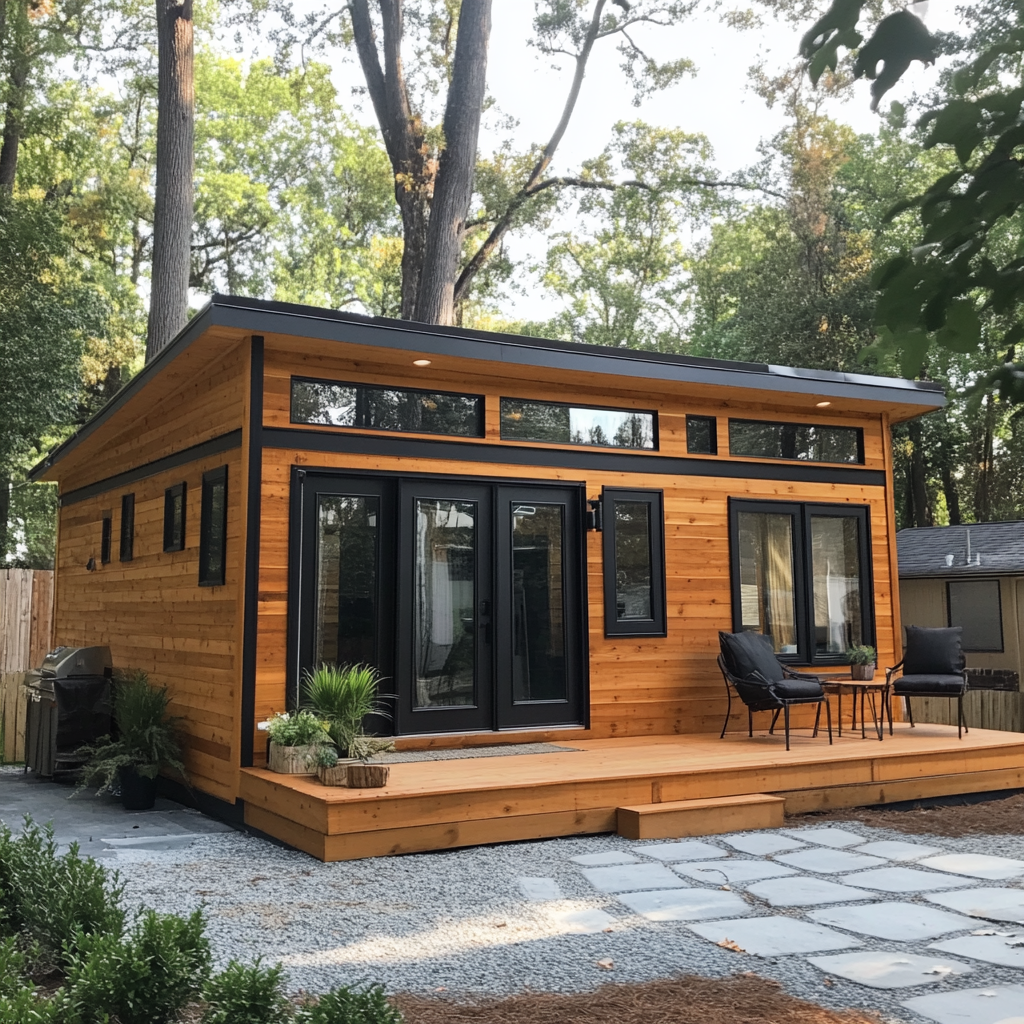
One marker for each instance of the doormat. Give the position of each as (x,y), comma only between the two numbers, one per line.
(464,752)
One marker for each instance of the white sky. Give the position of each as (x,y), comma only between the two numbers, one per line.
(717,101)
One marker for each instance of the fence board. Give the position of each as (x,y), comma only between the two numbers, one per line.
(983,709)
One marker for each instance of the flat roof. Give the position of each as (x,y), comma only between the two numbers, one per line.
(261,316)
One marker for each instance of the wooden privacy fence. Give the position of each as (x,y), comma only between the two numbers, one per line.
(983,709)
(26,634)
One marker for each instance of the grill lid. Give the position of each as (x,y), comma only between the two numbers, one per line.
(68,662)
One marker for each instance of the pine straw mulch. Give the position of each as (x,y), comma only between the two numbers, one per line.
(740,999)
(991,817)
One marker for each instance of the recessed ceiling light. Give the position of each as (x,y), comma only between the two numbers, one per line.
(424,362)
(822,405)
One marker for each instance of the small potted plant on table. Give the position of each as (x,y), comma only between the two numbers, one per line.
(862,662)
(294,739)
(343,697)
(146,743)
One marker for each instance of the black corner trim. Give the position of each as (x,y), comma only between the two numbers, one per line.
(522,455)
(253,508)
(216,445)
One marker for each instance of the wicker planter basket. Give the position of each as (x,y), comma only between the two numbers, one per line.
(336,776)
(290,760)
(367,776)
(863,673)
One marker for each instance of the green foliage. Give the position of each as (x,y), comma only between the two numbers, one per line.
(24,1006)
(146,735)
(54,899)
(344,696)
(301,729)
(324,756)
(145,977)
(350,1005)
(12,966)
(861,654)
(247,994)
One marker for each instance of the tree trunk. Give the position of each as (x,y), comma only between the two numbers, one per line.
(19,62)
(454,186)
(5,514)
(172,215)
(918,485)
(952,495)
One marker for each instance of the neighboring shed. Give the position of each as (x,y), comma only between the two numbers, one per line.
(973,577)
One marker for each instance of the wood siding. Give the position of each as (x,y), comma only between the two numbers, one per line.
(151,611)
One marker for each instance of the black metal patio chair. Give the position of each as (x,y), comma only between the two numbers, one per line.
(763,683)
(933,665)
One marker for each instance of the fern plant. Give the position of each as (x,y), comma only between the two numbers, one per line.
(343,696)
(146,735)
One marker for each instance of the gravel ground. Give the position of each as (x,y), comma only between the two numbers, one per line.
(456,922)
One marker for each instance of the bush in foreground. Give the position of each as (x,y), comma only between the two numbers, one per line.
(62,923)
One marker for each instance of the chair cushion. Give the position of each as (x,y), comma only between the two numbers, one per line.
(933,651)
(793,688)
(935,684)
(747,653)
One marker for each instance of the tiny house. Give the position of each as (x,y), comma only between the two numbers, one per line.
(532,540)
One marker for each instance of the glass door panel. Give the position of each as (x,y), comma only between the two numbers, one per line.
(445,602)
(538,603)
(768,597)
(836,584)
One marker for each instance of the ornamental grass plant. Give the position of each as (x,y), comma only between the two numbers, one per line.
(344,697)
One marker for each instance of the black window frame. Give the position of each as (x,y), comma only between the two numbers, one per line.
(999,606)
(653,413)
(106,537)
(478,399)
(858,431)
(802,513)
(211,479)
(170,494)
(126,548)
(712,422)
(657,625)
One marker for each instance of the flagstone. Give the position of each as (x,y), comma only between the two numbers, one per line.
(907,922)
(774,936)
(685,904)
(888,970)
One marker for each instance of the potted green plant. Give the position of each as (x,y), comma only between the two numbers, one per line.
(329,768)
(862,662)
(293,738)
(344,696)
(146,743)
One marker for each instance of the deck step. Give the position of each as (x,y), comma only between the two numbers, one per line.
(707,817)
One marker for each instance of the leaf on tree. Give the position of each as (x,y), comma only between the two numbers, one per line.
(897,41)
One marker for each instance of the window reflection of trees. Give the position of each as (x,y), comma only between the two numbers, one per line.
(557,423)
(794,441)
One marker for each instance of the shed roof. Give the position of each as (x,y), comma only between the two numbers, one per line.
(980,549)
(260,316)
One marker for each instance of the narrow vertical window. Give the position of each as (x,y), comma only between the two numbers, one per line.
(701,435)
(127,527)
(634,563)
(213,527)
(105,537)
(174,518)
(765,556)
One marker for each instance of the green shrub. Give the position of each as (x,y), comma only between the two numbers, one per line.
(247,995)
(12,967)
(49,897)
(23,1006)
(145,977)
(344,696)
(350,1005)
(302,729)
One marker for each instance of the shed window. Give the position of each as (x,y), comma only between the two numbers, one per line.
(213,527)
(975,606)
(106,531)
(801,442)
(337,404)
(557,423)
(801,575)
(701,435)
(127,527)
(174,518)
(634,563)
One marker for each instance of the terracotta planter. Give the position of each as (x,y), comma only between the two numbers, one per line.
(338,775)
(367,776)
(290,760)
(863,673)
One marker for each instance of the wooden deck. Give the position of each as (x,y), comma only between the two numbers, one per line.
(436,805)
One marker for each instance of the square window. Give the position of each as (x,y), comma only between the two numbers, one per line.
(634,563)
(702,435)
(213,528)
(127,552)
(174,518)
(975,606)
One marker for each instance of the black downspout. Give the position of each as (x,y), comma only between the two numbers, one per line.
(252,551)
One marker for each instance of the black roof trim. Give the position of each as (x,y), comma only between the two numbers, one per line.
(259,315)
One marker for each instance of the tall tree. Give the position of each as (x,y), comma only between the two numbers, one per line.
(175,143)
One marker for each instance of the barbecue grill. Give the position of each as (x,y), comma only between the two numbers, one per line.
(69,706)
